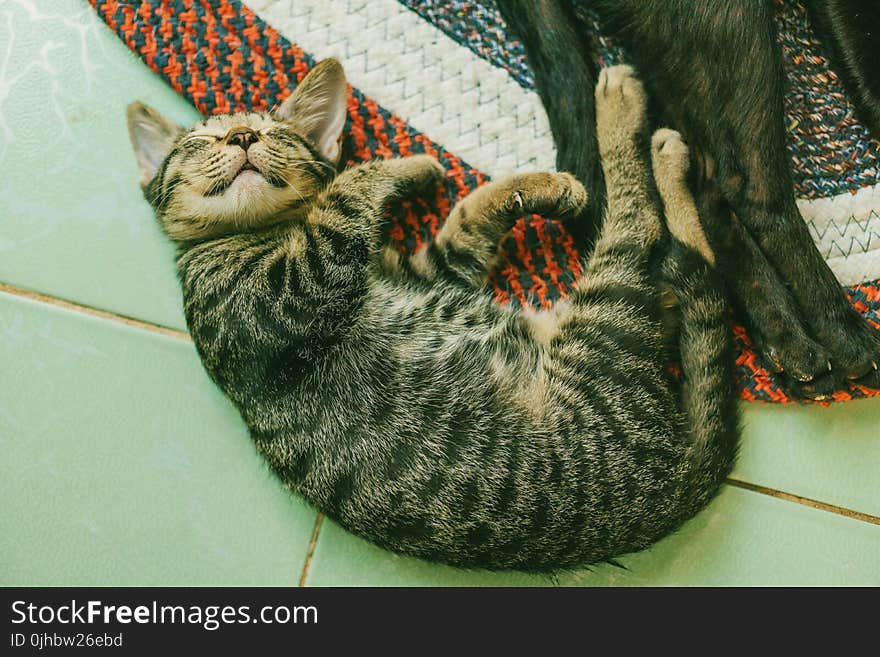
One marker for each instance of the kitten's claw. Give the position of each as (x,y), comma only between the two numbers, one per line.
(557,195)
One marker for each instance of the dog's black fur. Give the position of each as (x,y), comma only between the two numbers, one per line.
(717,67)
(852,33)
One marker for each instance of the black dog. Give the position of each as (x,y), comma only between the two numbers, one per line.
(714,68)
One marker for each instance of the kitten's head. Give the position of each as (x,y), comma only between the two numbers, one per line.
(234,172)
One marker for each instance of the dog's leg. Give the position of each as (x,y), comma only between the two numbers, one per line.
(717,68)
(564,74)
(851,30)
(761,297)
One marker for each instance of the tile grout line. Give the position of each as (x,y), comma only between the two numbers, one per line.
(805,501)
(183,335)
(94,312)
(313,541)
(39,297)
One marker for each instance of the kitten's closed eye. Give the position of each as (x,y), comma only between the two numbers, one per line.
(198,140)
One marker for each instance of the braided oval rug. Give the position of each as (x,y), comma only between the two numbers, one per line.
(449,69)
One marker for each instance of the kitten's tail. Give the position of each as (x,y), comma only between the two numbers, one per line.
(708,390)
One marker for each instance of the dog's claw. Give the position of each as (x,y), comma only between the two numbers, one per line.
(775,361)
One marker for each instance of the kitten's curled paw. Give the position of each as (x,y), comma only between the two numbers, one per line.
(669,155)
(670,160)
(425,170)
(620,105)
(559,195)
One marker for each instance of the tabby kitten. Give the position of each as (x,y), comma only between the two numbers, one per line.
(393,394)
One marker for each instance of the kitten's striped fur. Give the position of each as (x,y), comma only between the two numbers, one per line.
(393,394)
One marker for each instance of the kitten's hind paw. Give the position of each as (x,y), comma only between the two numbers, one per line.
(670,160)
(669,155)
(620,106)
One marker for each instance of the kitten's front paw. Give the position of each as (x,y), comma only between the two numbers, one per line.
(620,105)
(424,170)
(559,195)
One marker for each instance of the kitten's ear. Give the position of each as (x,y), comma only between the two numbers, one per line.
(152,136)
(317,107)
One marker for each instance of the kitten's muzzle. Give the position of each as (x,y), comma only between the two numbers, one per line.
(243,137)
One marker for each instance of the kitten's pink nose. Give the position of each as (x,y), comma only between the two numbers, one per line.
(243,137)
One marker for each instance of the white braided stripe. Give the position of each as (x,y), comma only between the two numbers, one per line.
(481,114)
(846,228)
(413,69)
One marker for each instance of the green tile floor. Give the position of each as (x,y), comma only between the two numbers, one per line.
(122,464)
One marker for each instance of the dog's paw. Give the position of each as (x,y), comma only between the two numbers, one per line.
(844,351)
(855,349)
